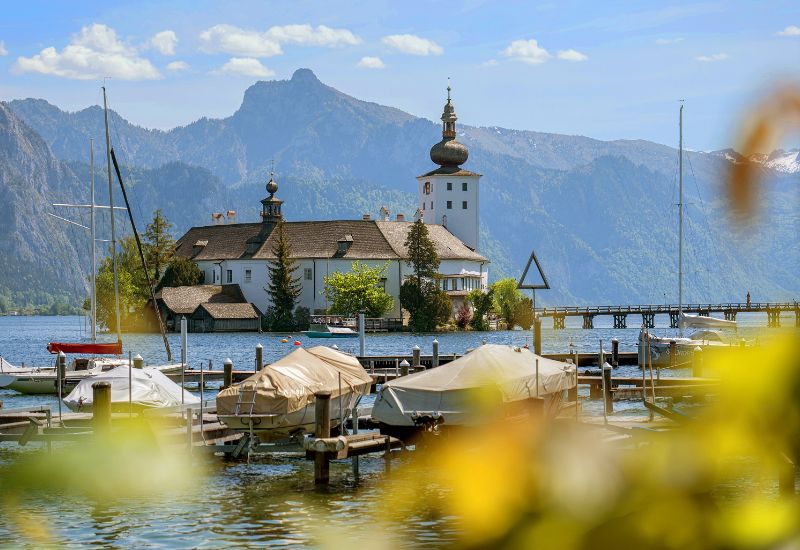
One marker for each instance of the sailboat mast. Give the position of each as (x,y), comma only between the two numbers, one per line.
(94,255)
(680,221)
(111,210)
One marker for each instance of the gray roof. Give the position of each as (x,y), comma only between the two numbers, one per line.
(454,171)
(375,240)
(230,311)
(183,300)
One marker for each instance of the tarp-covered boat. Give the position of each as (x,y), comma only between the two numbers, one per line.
(278,401)
(149,388)
(451,393)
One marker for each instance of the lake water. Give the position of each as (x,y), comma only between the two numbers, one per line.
(272,501)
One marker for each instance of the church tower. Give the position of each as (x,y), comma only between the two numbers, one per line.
(449,194)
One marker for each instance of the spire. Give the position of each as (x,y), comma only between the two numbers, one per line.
(449,116)
(449,152)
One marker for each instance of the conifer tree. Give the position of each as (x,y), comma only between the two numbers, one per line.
(426,303)
(283,288)
(159,245)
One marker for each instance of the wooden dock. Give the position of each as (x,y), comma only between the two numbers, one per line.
(649,311)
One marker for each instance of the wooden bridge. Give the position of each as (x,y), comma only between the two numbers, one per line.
(648,312)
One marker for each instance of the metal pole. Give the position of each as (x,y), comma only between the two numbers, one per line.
(61,364)
(680,223)
(354,416)
(184,358)
(537,377)
(94,237)
(111,214)
(361,334)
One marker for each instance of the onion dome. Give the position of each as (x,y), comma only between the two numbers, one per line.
(272,185)
(449,152)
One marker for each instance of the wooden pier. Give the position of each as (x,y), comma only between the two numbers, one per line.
(648,313)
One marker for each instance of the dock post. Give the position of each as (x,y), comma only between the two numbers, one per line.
(259,356)
(138,362)
(361,334)
(355,432)
(614,352)
(415,361)
(404,368)
(322,429)
(697,362)
(435,358)
(609,403)
(101,407)
(537,335)
(227,373)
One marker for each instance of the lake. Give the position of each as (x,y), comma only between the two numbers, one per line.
(272,501)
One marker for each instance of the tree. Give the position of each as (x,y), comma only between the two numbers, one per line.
(420,295)
(358,290)
(463,315)
(482,303)
(133,293)
(506,298)
(283,289)
(181,272)
(158,245)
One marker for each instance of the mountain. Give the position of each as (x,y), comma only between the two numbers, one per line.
(600,214)
(39,258)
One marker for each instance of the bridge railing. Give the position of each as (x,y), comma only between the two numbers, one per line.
(666,308)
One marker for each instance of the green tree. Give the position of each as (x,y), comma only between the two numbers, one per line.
(482,303)
(358,290)
(158,245)
(419,294)
(131,297)
(181,272)
(506,298)
(283,288)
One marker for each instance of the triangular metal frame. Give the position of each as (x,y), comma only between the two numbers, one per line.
(534,259)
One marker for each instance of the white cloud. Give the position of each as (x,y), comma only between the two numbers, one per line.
(713,57)
(572,55)
(237,41)
(369,62)
(177,66)
(3,50)
(527,51)
(412,44)
(791,30)
(490,63)
(95,52)
(165,42)
(668,41)
(245,66)
(310,36)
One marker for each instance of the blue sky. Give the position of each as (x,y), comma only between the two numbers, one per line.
(609,70)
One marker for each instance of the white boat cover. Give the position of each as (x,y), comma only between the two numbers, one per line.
(450,389)
(150,388)
(289,384)
(5,366)
(700,321)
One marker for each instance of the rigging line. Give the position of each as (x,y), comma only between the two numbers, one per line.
(704,216)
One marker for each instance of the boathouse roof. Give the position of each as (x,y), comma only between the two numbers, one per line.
(230,311)
(371,239)
(184,300)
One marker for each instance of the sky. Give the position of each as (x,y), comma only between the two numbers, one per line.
(609,70)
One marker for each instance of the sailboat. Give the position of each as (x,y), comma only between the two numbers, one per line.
(44,380)
(658,349)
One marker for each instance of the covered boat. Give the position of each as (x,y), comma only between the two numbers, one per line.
(456,393)
(278,401)
(704,321)
(149,388)
(321,330)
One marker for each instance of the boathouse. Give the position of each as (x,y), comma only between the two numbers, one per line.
(208,308)
(239,253)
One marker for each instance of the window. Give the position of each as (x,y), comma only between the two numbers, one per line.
(427,188)
(307,274)
(452,284)
(464,186)
(449,205)
(449,185)
(423,205)
(382,284)
(229,275)
(248,275)
(463,205)
(431,205)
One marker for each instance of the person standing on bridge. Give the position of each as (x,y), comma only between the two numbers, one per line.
(748,299)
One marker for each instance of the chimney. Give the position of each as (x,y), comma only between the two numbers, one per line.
(217,219)
(365,217)
(401,218)
(231,216)
(384,214)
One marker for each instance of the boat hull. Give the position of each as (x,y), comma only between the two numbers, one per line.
(321,334)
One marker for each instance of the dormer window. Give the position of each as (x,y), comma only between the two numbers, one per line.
(344,245)
(198,247)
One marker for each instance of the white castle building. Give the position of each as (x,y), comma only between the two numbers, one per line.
(239,253)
